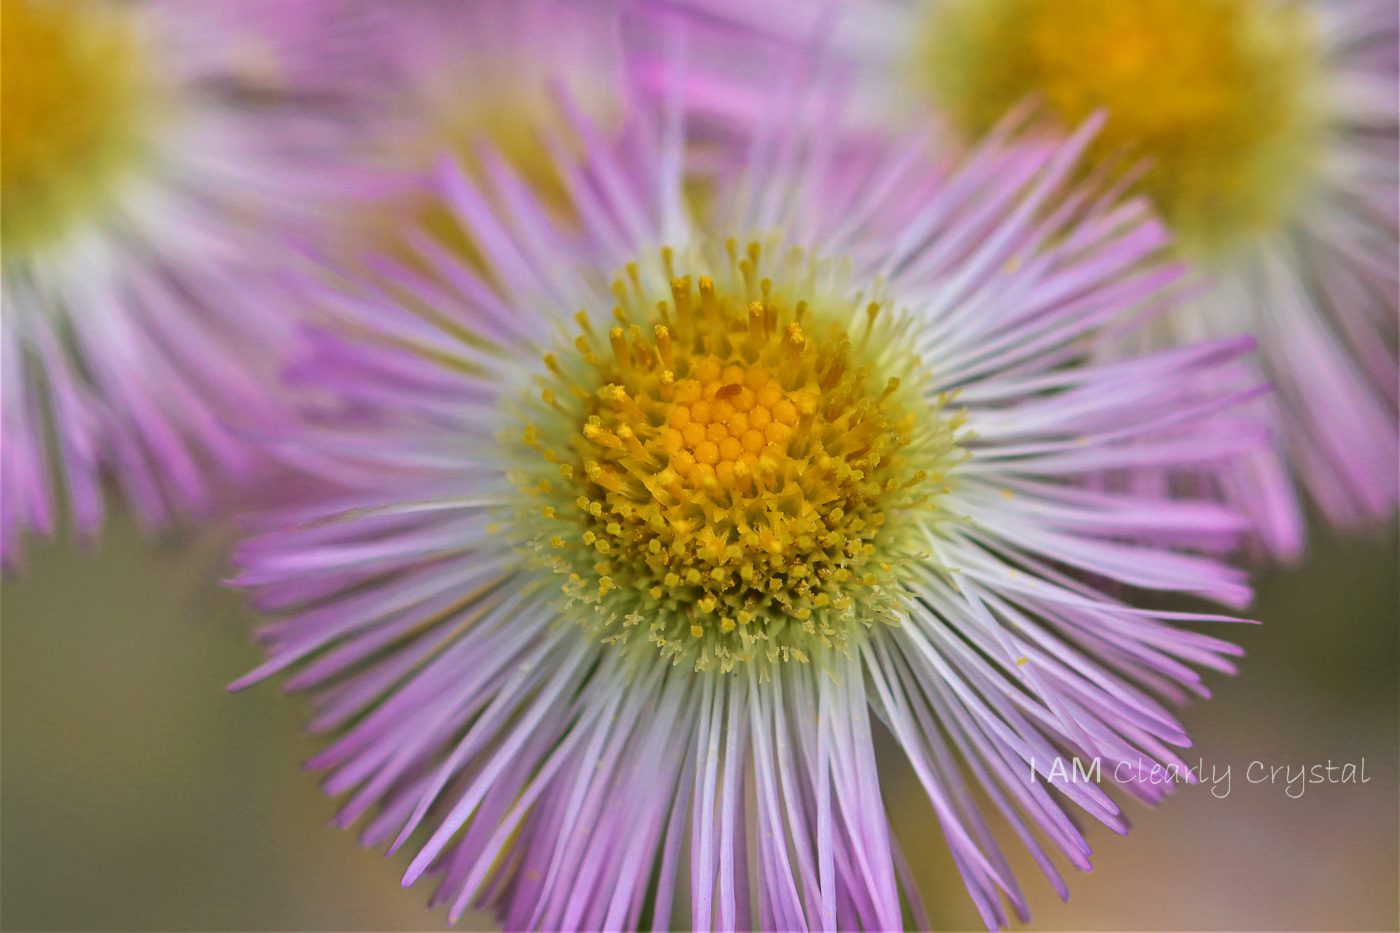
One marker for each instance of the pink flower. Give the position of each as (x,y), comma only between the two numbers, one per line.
(654,514)
(156,163)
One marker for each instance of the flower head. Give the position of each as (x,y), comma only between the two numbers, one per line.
(657,515)
(150,162)
(1264,134)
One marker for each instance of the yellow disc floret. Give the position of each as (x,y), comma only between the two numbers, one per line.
(77,95)
(735,470)
(1218,97)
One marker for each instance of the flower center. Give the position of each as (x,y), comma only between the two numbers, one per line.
(743,469)
(1218,95)
(76,94)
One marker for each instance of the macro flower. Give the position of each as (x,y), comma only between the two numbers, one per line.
(652,521)
(1264,133)
(154,157)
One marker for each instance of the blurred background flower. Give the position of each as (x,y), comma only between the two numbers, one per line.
(454,80)
(157,157)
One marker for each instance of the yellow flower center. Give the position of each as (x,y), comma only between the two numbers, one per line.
(733,471)
(76,94)
(1217,95)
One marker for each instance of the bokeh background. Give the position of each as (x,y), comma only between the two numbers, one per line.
(136,794)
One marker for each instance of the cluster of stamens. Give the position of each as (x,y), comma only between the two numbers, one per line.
(728,465)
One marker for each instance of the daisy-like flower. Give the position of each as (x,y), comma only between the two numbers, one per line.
(1267,136)
(660,520)
(153,156)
